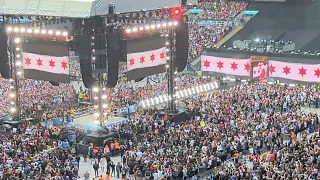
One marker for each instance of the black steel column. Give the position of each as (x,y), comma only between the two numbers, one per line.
(170,72)
(14,76)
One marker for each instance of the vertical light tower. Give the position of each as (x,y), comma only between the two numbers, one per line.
(15,59)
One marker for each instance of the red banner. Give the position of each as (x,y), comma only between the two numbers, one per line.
(236,67)
(259,68)
(275,69)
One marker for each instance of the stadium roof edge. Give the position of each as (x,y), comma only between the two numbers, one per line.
(81,8)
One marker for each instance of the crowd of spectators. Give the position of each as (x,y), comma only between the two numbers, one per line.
(211,25)
(240,122)
(246,120)
(36,95)
(29,152)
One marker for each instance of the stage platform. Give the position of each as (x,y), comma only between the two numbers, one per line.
(88,122)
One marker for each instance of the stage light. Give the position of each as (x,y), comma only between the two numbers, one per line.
(18,55)
(170,24)
(177,11)
(11,87)
(11,95)
(36,31)
(105,105)
(167,43)
(104,96)
(18,63)
(147,27)
(12,103)
(43,31)
(65,34)
(158,25)
(17,49)
(128,31)
(13,110)
(153,26)
(135,29)
(167,66)
(168,57)
(175,23)
(22,30)
(164,25)
(141,28)
(16,29)
(95,89)
(29,31)
(9,29)
(95,98)
(19,73)
(50,32)
(58,33)
(17,40)
(11,80)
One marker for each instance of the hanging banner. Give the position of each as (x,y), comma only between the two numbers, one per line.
(231,66)
(259,68)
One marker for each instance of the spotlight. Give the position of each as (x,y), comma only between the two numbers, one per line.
(17,40)
(43,31)
(9,29)
(153,26)
(22,30)
(147,27)
(29,31)
(134,29)
(50,32)
(141,29)
(18,63)
(13,110)
(16,29)
(58,33)
(65,34)
(36,31)
(95,89)
(128,30)
(17,49)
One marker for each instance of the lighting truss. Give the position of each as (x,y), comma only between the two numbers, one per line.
(179,94)
(40,31)
(150,27)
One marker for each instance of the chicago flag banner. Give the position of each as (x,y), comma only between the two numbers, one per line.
(44,61)
(145,57)
(259,68)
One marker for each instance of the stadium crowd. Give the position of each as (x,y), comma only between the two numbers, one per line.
(211,25)
(247,120)
(36,95)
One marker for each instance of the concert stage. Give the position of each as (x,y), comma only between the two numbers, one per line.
(88,122)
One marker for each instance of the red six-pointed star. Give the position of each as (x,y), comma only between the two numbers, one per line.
(131,62)
(234,66)
(51,63)
(64,65)
(152,58)
(286,70)
(219,64)
(206,63)
(142,60)
(317,73)
(271,69)
(39,62)
(162,55)
(247,67)
(302,71)
(28,61)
